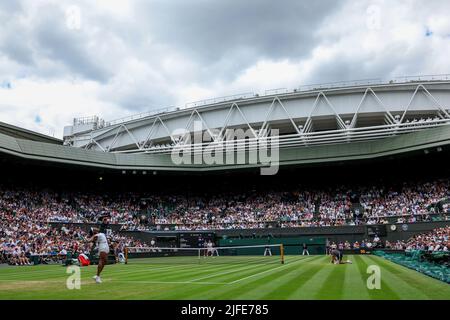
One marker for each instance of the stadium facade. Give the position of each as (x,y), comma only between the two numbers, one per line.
(326,133)
(316,124)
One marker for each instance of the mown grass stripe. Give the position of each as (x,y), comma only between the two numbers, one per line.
(362,270)
(240,289)
(211,271)
(230,271)
(28,272)
(301,278)
(189,292)
(415,284)
(39,276)
(150,272)
(259,273)
(385,293)
(354,282)
(334,280)
(391,287)
(293,290)
(290,281)
(171,274)
(316,280)
(403,289)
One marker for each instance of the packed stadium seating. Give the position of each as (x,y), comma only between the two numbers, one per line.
(234,210)
(428,253)
(25,232)
(25,213)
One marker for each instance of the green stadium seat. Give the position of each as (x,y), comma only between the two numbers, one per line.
(430,264)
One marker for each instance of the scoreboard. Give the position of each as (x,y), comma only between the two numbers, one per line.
(195,239)
(379,230)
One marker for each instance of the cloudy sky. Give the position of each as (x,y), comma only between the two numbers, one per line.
(113,58)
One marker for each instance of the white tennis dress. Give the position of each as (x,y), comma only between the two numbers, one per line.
(102,243)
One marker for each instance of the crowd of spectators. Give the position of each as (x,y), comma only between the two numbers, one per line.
(373,243)
(407,203)
(25,230)
(300,208)
(433,241)
(303,207)
(28,216)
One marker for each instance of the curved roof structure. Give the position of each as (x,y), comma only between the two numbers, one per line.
(22,133)
(436,138)
(317,124)
(316,115)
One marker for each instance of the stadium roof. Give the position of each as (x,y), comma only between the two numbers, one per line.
(397,145)
(25,134)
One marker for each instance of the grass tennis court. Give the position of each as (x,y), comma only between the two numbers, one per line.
(309,277)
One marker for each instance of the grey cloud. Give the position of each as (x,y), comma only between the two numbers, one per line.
(10,7)
(220,39)
(19,51)
(210,30)
(395,61)
(144,99)
(44,46)
(55,41)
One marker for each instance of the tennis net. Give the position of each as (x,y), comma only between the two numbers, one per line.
(273,253)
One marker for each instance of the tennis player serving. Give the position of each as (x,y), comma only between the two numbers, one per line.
(103,250)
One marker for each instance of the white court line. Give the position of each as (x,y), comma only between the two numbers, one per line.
(63,281)
(31,273)
(223,273)
(200,270)
(60,280)
(121,272)
(232,271)
(168,282)
(266,271)
(62,268)
(14,280)
(61,271)
(196,280)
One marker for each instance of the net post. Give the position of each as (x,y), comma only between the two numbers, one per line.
(126,255)
(282,253)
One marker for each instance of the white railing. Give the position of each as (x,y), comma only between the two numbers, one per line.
(339,84)
(141,115)
(239,96)
(306,139)
(432,77)
(271,92)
